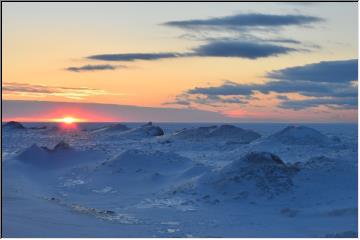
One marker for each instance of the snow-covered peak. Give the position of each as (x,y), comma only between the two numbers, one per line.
(149,161)
(13,125)
(263,158)
(147,124)
(261,173)
(222,132)
(147,130)
(62,155)
(62,145)
(299,135)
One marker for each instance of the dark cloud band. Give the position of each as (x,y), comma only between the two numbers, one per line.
(328,83)
(245,21)
(326,71)
(238,49)
(132,56)
(87,68)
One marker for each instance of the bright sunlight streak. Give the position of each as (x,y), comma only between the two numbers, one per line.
(67,120)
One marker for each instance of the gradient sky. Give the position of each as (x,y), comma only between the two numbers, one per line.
(245,61)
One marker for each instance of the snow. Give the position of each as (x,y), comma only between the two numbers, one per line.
(121,131)
(299,135)
(13,125)
(136,180)
(62,155)
(222,133)
(117,127)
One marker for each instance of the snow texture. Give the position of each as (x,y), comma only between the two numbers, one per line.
(180,180)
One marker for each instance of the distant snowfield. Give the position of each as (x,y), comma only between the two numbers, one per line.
(180,180)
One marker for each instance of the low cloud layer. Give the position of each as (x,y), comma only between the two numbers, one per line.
(327,83)
(335,103)
(36,90)
(91,68)
(326,71)
(132,56)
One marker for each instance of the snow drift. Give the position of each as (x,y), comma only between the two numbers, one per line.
(222,132)
(148,161)
(13,125)
(144,131)
(300,135)
(261,171)
(259,174)
(113,128)
(62,155)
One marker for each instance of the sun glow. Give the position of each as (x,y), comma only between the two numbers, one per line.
(67,120)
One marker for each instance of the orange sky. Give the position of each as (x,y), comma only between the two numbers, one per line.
(41,40)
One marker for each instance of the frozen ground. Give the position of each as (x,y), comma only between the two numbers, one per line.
(264,180)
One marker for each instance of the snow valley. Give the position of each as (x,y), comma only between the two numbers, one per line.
(179,180)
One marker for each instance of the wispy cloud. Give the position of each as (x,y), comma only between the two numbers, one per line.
(91,68)
(306,88)
(244,21)
(328,83)
(189,100)
(235,49)
(37,90)
(132,56)
(335,103)
(239,44)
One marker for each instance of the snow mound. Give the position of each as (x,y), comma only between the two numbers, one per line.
(257,172)
(114,128)
(300,135)
(147,130)
(62,145)
(62,155)
(148,161)
(13,125)
(320,162)
(224,132)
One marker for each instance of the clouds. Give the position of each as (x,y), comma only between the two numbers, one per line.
(244,21)
(327,71)
(335,103)
(305,88)
(250,50)
(132,56)
(87,68)
(238,49)
(37,90)
(327,83)
(242,43)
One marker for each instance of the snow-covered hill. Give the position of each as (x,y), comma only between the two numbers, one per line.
(203,181)
(300,135)
(220,133)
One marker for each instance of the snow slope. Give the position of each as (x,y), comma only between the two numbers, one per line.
(220,133)
(163,181)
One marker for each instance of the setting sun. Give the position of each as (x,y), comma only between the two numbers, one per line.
(67,120)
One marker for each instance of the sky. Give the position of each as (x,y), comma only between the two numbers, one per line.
(282,62)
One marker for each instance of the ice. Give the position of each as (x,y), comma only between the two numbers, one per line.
(180,180)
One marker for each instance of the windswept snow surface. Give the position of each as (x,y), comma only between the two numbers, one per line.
(180,180)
